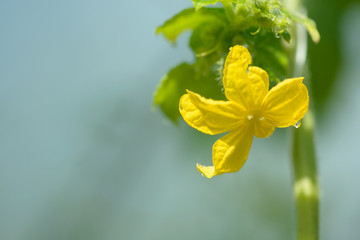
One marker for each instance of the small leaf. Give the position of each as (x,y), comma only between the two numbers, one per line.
(171,89)
(196,77)
(205,39)
(188,19)
(202,3)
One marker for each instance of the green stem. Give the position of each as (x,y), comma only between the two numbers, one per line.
(229,10)
(306,190)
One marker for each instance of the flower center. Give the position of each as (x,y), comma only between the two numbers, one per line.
(250,117)
(255,116)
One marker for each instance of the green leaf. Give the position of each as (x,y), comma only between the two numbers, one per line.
(267,15)
(171,89)
(205,39)
(189,19)
(202,3)
(195,77)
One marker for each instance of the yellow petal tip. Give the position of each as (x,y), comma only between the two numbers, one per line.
(301,79)
(207,171)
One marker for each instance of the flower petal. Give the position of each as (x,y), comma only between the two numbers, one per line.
(260,73)
(262,130)
(208,171)
(286,103)
(229,153)
(245,89)
(209,116)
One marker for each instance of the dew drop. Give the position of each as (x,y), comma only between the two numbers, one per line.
(250,117)
(297,124)
(262,118)
(277,35)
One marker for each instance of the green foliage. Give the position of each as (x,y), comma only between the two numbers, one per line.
(262,26)
(265,14)
(182,77)
(188,19)
(202,3)
(270,14)
(172,87)
(205,39)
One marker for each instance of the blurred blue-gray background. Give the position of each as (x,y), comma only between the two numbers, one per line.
(84,156)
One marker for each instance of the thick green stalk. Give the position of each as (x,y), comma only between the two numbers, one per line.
(306,191)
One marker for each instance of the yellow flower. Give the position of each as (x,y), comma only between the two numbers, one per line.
(251,110)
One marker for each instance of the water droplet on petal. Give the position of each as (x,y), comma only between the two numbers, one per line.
(297,124)
(262,118)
